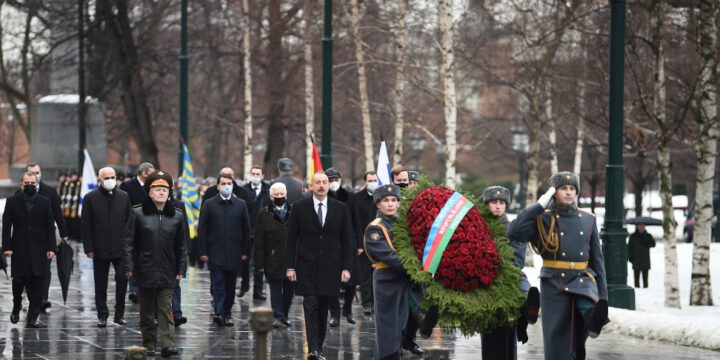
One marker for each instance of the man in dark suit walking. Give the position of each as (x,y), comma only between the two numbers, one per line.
(51,194)
(319,252)
(28,237)
(258,188)
(363,212)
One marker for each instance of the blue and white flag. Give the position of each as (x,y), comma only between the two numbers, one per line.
(89,179)
(383,166)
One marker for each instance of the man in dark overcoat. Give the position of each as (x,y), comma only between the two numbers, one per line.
(573,285)
(106,211)
(319,253)
(638,248)
(51,194)
(363,211)
(28,238)
(270,235)
(294,186)
(260,189)
(224,229)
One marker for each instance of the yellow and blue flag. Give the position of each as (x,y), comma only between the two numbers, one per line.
(189,193)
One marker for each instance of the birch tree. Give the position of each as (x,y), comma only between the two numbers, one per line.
(449,96)
(362,83)
(401,48)
(247,135)
(309,83)
(552,134)
(706,152)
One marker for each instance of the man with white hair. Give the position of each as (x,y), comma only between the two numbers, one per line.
(105,214)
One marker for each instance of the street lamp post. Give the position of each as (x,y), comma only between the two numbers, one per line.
(521,144)
(326,153)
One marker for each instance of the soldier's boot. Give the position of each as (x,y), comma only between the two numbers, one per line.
(596,318)
(429,321)
(532,305)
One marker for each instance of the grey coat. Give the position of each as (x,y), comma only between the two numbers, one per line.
(562,290)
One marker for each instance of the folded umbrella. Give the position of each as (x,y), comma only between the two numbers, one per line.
(649,221)
(65,266)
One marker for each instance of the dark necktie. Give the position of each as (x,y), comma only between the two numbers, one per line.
(320,214)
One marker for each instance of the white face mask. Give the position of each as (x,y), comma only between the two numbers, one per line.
(372,186)
(255,180)
(334,186)
(109,184)
(226,190)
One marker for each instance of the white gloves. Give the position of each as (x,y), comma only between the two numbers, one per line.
(544,200)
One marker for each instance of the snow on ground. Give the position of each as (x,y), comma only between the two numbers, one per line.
(696,326)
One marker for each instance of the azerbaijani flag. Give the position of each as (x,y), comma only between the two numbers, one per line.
(313,164)
(443,229)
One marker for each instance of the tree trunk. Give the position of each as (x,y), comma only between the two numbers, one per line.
(275,86)
(401,47)
(552,134)
(309,83)
(247,134)
(449,98)
(362,83)
(706,152)
(534,151)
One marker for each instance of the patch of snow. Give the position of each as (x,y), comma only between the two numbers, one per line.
(65,99)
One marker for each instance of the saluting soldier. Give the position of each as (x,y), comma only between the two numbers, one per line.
(573,286)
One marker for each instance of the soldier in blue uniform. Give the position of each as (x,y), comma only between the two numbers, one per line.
(391,283)
(573,287)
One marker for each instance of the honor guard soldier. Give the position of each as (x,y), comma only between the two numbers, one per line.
(573,285)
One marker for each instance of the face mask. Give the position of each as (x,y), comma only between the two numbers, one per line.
(279,201)
(226,190)
(402,185)
(38,178)
(109,184)
(372,186)
(334,186)
(255,180)
(29,189)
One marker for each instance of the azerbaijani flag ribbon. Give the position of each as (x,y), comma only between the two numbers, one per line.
(443,229)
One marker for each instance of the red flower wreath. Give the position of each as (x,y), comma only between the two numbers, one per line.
(470,259)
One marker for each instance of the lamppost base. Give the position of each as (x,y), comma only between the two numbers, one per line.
(621,296)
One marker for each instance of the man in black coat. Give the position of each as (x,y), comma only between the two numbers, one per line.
(293,185)
(51,194)
(105,214)
(319,252)
(245,195)
(28,237)
(338,193)
(363,211)
(224,228)
(135,188)
(261,190)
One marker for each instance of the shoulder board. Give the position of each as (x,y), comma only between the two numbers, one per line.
(547,210)
(586,212)
(376,222)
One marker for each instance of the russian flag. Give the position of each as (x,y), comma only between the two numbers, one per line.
(383,166)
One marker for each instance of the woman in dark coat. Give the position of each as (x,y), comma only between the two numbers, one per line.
(270,233)
(639,253)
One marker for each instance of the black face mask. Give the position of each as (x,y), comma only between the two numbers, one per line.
(402,185)
(279,201)
(29,189)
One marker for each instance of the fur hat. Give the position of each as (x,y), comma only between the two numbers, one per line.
(565,178)
(386,190)
(496,193)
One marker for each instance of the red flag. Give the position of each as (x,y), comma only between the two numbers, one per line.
(314,164)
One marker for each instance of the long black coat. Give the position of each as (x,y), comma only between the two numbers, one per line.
(347,198)
(261,200)
(104,219)
(224,229)
(638,248)
(30,235)
(136,191)
(49,192)
(155,245)
(363,211)
(319,254)
(270,234)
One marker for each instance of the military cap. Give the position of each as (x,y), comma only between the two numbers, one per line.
(386,190)
(333,173)
(496,193)
(158,178)
(565,178)
(285,164)
(413,175)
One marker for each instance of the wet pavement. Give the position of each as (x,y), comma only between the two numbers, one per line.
(72,332)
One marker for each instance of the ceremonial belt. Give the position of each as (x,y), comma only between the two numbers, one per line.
(381,265)
(567,265)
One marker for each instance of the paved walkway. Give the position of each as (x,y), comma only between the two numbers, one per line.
(72,333)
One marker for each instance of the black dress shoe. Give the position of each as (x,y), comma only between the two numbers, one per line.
(119,320)
(414,348)
(285,322)
(316,355)
(169,351)
(367,309)
(35,324)
(228,322)
(218,321)
(241,293)
(350,318)
(259,296)
(334,322)
(151,352)
(14,317)
(532,305)
(429,322)
(133,298)
(179,320)
(45,305)
(102,323)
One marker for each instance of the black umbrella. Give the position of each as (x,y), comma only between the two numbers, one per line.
(65,266)
(644,220)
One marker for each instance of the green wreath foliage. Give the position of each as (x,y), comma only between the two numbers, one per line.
(471,312)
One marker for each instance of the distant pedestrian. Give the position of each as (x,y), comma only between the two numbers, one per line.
(639,253)
(260,189)
(293,185)
(156,257)
(106,211)
(28,238)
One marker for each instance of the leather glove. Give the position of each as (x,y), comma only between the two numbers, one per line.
(544,200)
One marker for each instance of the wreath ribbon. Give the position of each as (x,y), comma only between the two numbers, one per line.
(443,228)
